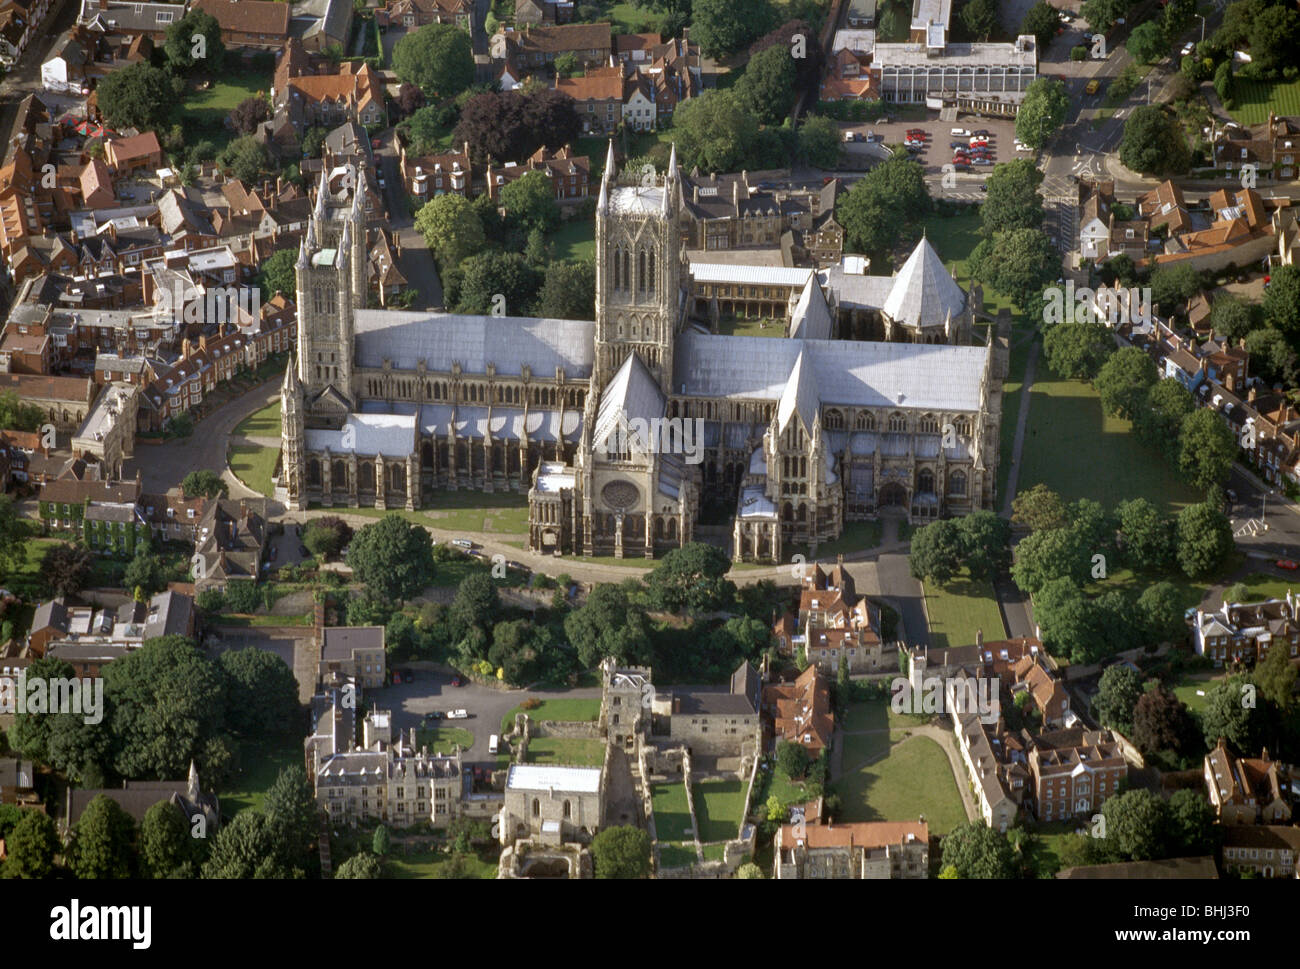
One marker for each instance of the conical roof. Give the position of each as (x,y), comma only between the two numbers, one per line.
(924,292)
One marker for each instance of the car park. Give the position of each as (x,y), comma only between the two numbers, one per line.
(858,136)
(848,136)
(980,134)
(875,139)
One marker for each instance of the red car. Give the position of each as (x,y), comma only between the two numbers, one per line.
(1289,564)
(456,681)
(376,143)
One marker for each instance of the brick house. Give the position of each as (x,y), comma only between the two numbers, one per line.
(127,155)
(413,14)
(62,504)
(800,712)
(814,847)
(257,24)
(334,99)
(1074,772)
(428,176)
(1271,850)
(598,96)
(1244,632)
(569,175)
(1247,790)
(833,622)
(591,44)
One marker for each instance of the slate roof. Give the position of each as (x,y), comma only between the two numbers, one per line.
(392,435)
(811,319)
(631,394)
(924,293)
(510,343)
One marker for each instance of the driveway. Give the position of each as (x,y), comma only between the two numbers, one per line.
(432,690)
(416,262)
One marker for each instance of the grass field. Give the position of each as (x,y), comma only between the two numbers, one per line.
(571,751)
(253,621)
(677,856)
(863,747)
(262,423)
(780,786)
(719,806)
(1077,450)
(633,19)
(1187,685)
(432,863)
(470,511)
(574,239)
(914,780)
(1255,99)
(444,739)
(573,710)
(954,237)
(877,715)
(959,608)
(740,326)
(1264,586)
(856,537)
(260,766)
(254,465)
(672,814)
(206,111)
(1012,395)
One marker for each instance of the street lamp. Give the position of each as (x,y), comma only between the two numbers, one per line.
(1202,16)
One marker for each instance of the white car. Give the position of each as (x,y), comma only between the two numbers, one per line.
(960,132)
(1020,147)
(848,136)
(457,714)
(1187,49)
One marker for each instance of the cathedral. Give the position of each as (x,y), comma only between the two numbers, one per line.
(630,431)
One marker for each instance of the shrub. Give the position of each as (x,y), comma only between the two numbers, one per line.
(1078,53)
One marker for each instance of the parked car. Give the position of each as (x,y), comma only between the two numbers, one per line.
(981,161)
(397,678)
(875,139)
(859,136)
(960,131)
(958,144)
(1289,564)
(457,681)
(1187,49)
(1092,87)
(433,715)
(462,543)
(980,134)
(408,676)
(848,136)
(457,714)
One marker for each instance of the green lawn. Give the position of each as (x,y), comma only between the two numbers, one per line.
(1045,854)
(1255,99)
(574,239)
(206,111)
(454,572)
(719,807)
(571,751)
(1077,450)
(561,709)
(856,537)
(262,423)
(632,19)
(954,237)
(260,765)
(740,326)
(672,814)
(1012,394)
(914,780)
(863,747)
(959,608)
(714,852)
(1187,685)
(444,739)
(430,862)
(254,465)
(785,790)
(1263,586)
(247,621)
(878,715)
(470,511)
(677,856)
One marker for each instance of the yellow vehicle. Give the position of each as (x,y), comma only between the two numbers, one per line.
(1092,86)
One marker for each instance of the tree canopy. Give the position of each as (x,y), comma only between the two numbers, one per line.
(436,58)
(393,556)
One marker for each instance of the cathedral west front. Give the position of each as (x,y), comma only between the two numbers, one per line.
(782,438)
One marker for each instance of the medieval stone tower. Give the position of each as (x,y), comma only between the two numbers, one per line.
(638,270)
(331,276)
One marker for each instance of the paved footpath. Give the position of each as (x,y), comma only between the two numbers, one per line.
(1022,421)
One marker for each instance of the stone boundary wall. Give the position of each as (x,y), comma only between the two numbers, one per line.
(576,730)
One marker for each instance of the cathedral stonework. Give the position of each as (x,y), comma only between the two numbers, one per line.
(784,439)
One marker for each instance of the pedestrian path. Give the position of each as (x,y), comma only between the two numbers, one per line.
(1022,421)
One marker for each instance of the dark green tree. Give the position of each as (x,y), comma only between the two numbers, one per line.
(767,88)
(1012,200)
(621,852)
(277,274)
(489,275)
(437,58)
(136,96)
(530,201)
(1207,449)
(1203,538)
(1125,380)
(263,694)
(66,568)
(1117,695)
(31,846)
(166,844)
(392,557)
(938,550)
(975,850)
(184,50)
(1039,509)
(361,865)
(1153,142)
(249,846)
(693,578)
(568,291)
(1146,536)
(204,483)
(1043,110)
(1135,826)
(103,841)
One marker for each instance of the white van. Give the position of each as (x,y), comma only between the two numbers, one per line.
(493,743)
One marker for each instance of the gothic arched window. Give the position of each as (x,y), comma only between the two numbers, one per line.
(957,483)
(640,271)
(627,270)
(617,277)
(650,275)
(925,482)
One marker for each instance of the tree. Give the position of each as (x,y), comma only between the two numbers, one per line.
(1147,43)
(1227,715)
(166,846)
(1017,263)
(491,274)
(1012,200)
(1125,380)
(1046,555)
(136,96)
(890,195)
(1135,826)
(980,18)
(1102,14)
(985,541)
(714,131)
(722,27)
(974,850)
(530,200)
(693,578)
(566,65)
(145,571)
(511,125)
(568,291)
(409,99)
(31,846)
(792,759)
(1145,536)
(767,88)
(621,852)
(819,141)
(1042,22)
(17,414)
(393,557)
(278,275)
(262,691)
(247,158)
(1204,539)
(1043,110)
(249,113)
(808,68)
(1078,350)
(361,865)
(313,141)
(101,846)
(249,846)
(1118,692)
(185,52)
(1153,142)
(938,550)
(1071,625)
(1161,721)
(1271,357)
(1274,37)
(1231,318)
(607,624)
(382,843)
(451,227)
(1282,301)
(1159,423)
(66,568)
(551,118)
(1160,610)
(476,603)
(1206,449)
(204,484)
(437,58)
(1190,824)
(749,870)
(1039,509)
(1275,677)
(327,536)
(291,806)
(1173,286)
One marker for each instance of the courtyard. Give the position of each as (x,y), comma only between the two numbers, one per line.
(913,779)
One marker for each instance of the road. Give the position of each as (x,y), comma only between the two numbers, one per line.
(416,262)
(25,77)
